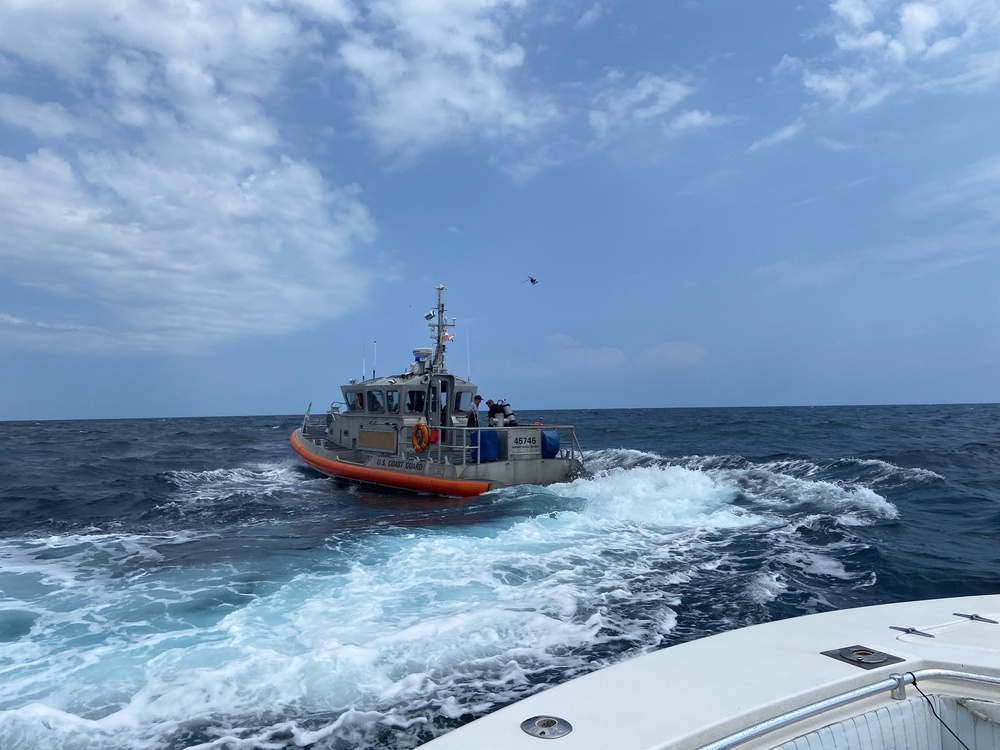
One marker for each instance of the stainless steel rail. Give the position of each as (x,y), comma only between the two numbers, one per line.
(896,683)
(458,441)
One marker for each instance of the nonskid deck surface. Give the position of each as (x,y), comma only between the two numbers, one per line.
(771,678)
(316,433)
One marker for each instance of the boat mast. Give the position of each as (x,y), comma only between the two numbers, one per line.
(439,332)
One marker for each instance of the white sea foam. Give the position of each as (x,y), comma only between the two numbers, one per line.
(774,485)
(64,561)
(257,481)
(780,491)
(882,470)
(767,586)
(417,624)
(816,564)
(889,470)
(663,496)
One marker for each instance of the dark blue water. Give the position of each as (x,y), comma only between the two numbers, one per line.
(184,583)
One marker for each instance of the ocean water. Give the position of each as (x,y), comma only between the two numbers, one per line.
(185,583)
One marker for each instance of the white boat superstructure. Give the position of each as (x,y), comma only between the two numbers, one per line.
(923,675)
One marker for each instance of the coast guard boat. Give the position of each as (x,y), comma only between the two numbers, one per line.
(409,431)
(919,675)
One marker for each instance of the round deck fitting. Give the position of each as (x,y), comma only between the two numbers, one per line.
(546,727)
(863,655)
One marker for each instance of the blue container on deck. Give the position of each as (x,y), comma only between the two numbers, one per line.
(488,446)
(550,443)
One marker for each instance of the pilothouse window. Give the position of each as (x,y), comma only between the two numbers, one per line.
(392,402)
(375,400)
(462,400)
(355,400)
(415,402)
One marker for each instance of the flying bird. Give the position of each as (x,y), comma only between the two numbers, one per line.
(532,279)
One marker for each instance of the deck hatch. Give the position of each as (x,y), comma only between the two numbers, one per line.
(862,656)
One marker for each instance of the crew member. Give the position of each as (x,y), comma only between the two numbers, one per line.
(494,416)
(473,420)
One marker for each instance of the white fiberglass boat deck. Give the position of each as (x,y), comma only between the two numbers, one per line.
(842,680)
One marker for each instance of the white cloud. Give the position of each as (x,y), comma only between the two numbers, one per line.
(833,144)
(528,165)
(561,341)
(12,320)
(73,37)
(336,11)
(695,120)
(788,64)
(855,88)
(173,212)
(855,12)
(981,74)
(887,47)
(44,119)
(872,41)
(618,110)
(428,73)
(68,336)
(624,115)
(129,74)
(592,16)
(184,257)
(917,21)
(779,136)
(975,193)
(162,192)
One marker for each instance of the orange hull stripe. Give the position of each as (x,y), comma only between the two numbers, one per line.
(420,482)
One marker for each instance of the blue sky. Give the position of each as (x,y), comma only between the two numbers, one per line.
(218,208)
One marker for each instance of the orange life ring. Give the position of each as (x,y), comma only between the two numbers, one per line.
(421,437)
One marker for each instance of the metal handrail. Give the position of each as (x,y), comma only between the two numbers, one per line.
(440,449)
(895,682)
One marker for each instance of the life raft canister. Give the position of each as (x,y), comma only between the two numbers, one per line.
(421,437)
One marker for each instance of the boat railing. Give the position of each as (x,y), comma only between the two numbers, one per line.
(468,445)
(465,445)
(314,427)
(895,684)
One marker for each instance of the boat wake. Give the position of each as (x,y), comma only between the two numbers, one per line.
(391,636)
(786,485)
(269,481)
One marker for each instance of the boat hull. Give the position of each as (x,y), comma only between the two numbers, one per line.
(337,464)
(426,475)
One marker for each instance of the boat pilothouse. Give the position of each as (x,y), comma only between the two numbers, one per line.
(413,431)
